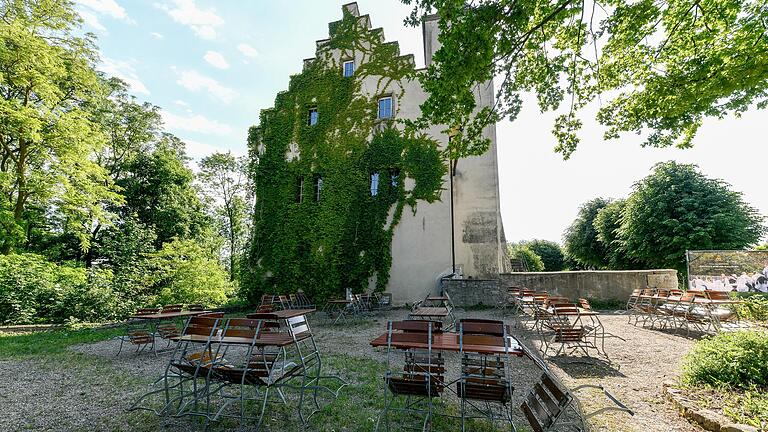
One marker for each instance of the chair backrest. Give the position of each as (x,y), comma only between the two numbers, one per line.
(718,295)
(565,308)
(545,404)
(298,326)
(417,326)
(201,326)
(147,311)
(481,327)
(172,308)
(662,293)
(241,328)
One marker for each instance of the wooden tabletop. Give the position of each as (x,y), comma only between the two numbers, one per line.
(168,315)
(438,311)
(280,315)
(580,312)
(449,341)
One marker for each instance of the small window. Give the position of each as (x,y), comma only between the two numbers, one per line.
(394,177)
(312,117)
(349,68)
(318,187)
(385,107)
(374,184)
(299,189)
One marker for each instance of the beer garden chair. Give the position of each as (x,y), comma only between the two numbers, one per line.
(485,388)
(422,378)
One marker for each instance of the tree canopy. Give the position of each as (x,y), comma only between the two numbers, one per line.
(581,238)
(99,212)
(550,252)
(659,67)
(674,209)
(677,208)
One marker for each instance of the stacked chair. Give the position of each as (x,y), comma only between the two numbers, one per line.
(423,372)
(234,367)
(485,388)
(139,334)
(701,311)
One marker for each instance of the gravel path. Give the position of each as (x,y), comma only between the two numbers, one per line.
(89,388)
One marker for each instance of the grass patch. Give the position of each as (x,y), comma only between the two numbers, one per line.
(51,343)
(728,372)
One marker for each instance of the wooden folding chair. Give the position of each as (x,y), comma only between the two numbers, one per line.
(188,365)
(484,388)
(547,404)
(139,334)
(423,374)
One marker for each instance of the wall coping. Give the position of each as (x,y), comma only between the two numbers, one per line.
(589,272)
(469,279)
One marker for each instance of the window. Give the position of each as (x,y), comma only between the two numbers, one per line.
(349,68)
(312,117)
(385,107)
(318,187)
(374,184)
(394,177)
(299,189)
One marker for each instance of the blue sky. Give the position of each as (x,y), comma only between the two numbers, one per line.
(213,65)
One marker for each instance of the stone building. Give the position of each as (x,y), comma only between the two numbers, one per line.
(421,245)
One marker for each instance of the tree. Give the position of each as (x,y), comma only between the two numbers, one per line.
(580,239)
(676,208)
(607,224)
(47,138)
(521,251)
(159,191)
(660,67)
(551,254)
(224,180)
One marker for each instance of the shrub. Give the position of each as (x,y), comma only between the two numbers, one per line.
(532,261)
(32,289)
(551,254)
(182,272)
(736,359)
(94,300)
(754,308)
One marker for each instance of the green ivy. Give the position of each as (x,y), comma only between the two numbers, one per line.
(344,239)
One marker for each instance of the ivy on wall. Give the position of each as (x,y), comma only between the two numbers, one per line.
(343,239)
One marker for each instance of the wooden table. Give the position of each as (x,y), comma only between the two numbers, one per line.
(449,341)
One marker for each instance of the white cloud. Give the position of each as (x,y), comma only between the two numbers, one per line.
(125,71)
(247,50)
(192,80)
(199,150)
(202,21)
(156,35)
(216,60)
(181,103)
(92,20)
(195,123)
(107,7)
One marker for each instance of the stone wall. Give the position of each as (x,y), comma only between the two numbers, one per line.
(601,285)
(473,292)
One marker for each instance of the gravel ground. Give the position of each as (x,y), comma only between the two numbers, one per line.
(91,388)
